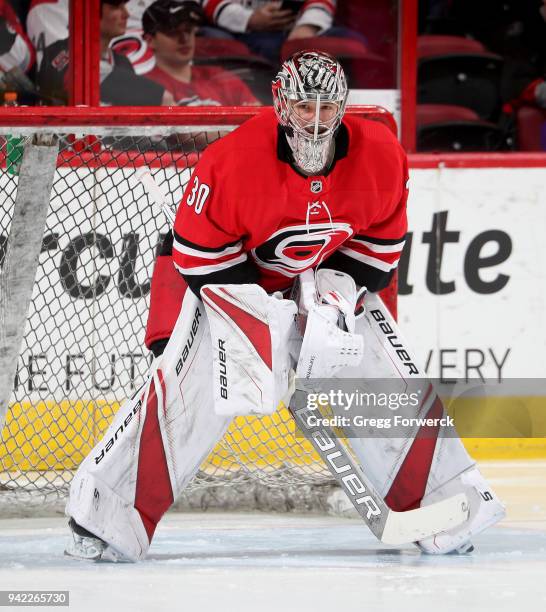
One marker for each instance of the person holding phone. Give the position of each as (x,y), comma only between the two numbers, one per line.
(264,25)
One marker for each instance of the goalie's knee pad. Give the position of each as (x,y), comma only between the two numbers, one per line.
(166,295)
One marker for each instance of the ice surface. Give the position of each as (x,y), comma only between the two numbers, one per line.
(240,562)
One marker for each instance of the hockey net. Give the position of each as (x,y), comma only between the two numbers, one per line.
(82,349)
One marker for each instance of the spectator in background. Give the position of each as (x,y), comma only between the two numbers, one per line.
(132,43)
(119,85)
(264,25)
(16,51)
(47,23)
(169,28)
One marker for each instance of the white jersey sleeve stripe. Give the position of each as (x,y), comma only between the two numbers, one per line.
(191,252)
(370,261)
(200,270)
(379,248)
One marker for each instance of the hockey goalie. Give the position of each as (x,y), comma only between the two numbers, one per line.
(286,231)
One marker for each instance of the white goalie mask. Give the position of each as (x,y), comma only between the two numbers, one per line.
(309,97)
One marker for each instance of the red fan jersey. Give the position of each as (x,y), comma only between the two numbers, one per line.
(248,215)
(210,86)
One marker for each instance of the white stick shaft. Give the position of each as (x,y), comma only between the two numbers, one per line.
(156,194)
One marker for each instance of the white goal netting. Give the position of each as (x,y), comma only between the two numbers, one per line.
(82,350)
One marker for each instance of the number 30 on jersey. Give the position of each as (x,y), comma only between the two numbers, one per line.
(198,195)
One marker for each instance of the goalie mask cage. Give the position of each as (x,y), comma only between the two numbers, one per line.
(78,239)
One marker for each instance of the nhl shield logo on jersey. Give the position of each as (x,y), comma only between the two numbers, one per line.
(294,249)
(316,186)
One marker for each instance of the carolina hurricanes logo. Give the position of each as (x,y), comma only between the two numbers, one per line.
(292,250)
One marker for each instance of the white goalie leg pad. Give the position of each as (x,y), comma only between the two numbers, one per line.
(424,465)
(96,507)
(329,342)
(154,446)
(251,334)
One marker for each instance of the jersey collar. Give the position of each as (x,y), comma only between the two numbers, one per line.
(284,152)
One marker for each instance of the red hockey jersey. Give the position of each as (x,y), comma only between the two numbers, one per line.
(210,86)
(248,215)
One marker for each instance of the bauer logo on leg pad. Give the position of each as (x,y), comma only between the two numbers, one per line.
(189,342)
(222,368)
(394,340)
(117,433)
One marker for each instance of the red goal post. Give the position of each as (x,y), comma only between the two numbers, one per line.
(77,245)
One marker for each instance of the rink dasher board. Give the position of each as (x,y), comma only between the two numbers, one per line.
(491,207)
(476,201)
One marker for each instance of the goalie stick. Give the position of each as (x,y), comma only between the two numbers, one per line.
(388,526)
(144,176)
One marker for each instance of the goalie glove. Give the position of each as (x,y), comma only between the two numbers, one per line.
(329,342)
(338,290)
